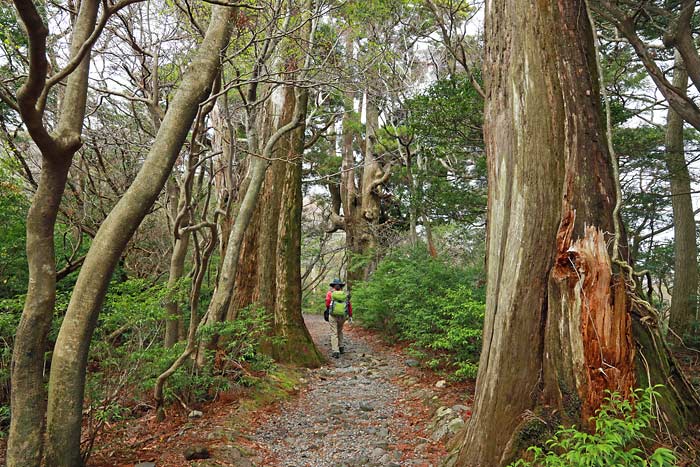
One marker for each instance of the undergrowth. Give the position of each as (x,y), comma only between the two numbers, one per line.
(432,303)
(620,431)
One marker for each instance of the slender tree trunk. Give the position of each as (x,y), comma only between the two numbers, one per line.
(685,281)
(67,379)
(177,269)
(28,398)
(28,395)
(560,321)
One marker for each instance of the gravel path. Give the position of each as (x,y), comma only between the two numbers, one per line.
(356,411)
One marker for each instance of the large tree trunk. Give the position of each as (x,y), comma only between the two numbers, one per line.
(560,320)
(685,281)
(350,196)
(67,379)
(371,173)
(28,396)
(295,345)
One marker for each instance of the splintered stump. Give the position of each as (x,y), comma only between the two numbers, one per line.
(589,324)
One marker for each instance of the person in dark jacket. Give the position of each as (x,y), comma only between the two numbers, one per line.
(338,309)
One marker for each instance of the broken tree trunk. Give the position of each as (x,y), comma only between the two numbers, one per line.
(563,322)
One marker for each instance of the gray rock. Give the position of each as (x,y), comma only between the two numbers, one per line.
(440,432)
(455,425)
(443,412)
(365,407)
(377,453)
(197,452)
(195,414)
(412,362)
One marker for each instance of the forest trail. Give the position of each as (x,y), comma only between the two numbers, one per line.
(368,408)
(372,407)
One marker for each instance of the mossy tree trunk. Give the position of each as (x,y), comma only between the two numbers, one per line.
(25,446)
(68,365)
(293,343)
(685,278)
(561,320)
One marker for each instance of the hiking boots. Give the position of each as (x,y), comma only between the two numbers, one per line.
(342,349)
(336,354)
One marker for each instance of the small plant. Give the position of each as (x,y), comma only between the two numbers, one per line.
(620,424)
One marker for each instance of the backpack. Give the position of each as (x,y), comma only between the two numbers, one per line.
(339,303)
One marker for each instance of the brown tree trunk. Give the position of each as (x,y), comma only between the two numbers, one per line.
(225,287)
(560,322)
(67,379)
(685,280)
(293,343)
(351,198)
(371,172)
(28,396)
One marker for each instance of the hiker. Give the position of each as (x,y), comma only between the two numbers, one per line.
(338,308)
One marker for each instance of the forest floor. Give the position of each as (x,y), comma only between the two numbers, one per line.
(371,407)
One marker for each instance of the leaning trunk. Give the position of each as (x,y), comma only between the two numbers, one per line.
(560,318)
(685,280)
(67,379)
(28,397)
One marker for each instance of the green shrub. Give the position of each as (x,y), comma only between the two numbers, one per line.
(619,428)
(430,302)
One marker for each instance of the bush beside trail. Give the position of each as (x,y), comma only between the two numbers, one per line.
(433,303)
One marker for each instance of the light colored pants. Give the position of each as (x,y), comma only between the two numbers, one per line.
(336,324)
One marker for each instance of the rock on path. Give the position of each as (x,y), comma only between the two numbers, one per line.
(355,412)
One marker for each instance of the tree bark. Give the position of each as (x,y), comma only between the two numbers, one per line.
(67,379)
(371,172)
(561,317)
(350,196)
(685,277)
(295,345)
(181,242)
(28,396)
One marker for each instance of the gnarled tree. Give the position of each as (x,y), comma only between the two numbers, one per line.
(563,322)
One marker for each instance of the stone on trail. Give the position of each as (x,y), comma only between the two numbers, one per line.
(443,412)
(195,414)
(412,362)
(441,384)
(197,452)
(455,425)
(377,453)
(365,407)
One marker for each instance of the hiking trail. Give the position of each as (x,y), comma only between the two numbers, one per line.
(367,408)
(374,406)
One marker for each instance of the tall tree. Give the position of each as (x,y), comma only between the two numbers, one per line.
(272,249)
(562,316)
(685,284)
(67,378)
(57,146)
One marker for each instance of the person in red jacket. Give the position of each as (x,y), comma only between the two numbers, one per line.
(338,309)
